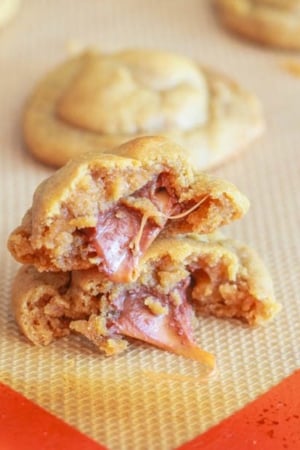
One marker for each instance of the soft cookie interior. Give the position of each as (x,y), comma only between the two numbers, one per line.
(178,278)
(104,211)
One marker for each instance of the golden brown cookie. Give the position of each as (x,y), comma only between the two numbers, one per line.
(96,101)
(104,210)
(178,276)
(270,22)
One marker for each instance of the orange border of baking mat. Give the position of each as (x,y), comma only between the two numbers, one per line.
(271,422)
(26,426)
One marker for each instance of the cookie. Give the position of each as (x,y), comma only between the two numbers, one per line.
(104,210)
(179,277)
(270,22)
(96,101)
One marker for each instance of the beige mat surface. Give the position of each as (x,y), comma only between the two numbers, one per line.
(147,399)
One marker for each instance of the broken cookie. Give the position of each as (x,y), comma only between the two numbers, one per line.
(105,210)
(177,277)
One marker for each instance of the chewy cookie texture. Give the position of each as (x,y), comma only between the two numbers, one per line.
(270,22)
(118,246)
(96,101)
(104,210)
(178,277)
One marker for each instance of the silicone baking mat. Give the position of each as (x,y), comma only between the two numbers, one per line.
(145,398)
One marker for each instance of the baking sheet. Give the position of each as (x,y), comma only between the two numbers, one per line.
(148,399)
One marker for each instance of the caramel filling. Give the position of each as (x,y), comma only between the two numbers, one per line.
(158,309)
(124,233)
(164,321)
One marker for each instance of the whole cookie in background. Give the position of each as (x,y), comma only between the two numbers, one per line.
(96,101)
(270,22)
(8,9)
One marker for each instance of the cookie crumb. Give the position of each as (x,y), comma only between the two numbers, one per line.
(155,306)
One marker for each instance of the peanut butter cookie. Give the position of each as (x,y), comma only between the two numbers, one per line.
(104,210)
(178,277)
(96,101)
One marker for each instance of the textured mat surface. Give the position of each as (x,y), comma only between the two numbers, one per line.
(147,399)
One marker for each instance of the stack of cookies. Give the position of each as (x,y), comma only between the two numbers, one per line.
(125,245)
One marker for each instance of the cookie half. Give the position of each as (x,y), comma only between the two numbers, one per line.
(104,210)
(178,277)
(269,22)
(96,101)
